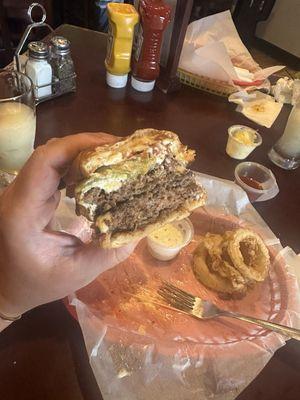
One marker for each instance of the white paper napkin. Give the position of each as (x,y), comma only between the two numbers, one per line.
(258,107)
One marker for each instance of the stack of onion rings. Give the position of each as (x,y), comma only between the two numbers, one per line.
(231,263)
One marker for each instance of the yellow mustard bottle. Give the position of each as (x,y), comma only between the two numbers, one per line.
(122,20)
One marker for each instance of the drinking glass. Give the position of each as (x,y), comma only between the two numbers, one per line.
(286,152)
(17,120)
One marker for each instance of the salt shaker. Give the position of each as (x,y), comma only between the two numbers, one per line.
(62,65)
(38,69)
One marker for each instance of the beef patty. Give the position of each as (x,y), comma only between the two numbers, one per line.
(145,199)
(149,206)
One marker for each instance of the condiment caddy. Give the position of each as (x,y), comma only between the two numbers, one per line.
(49,66)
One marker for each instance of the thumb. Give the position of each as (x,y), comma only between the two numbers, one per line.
(90,260)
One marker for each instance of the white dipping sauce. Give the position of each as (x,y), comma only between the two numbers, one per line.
(168,235)
(166,242)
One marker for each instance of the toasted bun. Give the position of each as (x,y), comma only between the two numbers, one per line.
(140,141)
(123,238)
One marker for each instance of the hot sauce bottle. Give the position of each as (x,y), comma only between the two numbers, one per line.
(154,18)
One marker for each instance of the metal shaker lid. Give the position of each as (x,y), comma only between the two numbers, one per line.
(38,50)
(61,45)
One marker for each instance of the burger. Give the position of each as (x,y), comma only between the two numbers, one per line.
(136,185)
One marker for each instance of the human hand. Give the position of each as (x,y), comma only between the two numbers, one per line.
(38,265)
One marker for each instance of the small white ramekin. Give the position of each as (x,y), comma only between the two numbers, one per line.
(166,253)
(238,150)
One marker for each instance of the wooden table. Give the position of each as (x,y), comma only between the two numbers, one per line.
(42,356)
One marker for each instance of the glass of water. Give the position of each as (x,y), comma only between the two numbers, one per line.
(17,120)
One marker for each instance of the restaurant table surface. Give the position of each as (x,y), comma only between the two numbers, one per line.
(43,356)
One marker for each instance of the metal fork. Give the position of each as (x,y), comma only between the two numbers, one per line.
(194,306)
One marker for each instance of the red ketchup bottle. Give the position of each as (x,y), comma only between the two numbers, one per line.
(154,16)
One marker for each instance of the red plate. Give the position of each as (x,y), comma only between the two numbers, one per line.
(129,321)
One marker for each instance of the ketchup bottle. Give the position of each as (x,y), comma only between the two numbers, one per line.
(154,16)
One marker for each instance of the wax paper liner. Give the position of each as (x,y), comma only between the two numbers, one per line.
(139,353)
(212,48)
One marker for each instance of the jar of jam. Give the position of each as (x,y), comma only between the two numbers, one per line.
(154,18)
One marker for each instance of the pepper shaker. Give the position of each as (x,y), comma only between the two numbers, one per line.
(62,65)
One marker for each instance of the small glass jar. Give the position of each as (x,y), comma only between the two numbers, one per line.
(62,65)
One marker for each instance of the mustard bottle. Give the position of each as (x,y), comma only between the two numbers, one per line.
(122,20)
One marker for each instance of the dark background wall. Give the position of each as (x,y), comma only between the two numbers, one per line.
(85,13)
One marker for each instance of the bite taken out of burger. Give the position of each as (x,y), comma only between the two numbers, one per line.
(136,185)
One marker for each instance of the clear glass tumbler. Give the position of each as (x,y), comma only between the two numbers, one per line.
(17,120)
(286,152)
